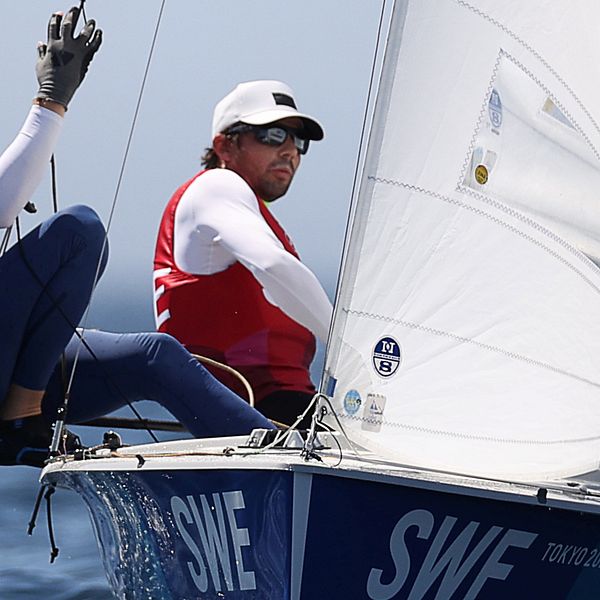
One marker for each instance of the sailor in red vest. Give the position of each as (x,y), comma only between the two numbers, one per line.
(228,281)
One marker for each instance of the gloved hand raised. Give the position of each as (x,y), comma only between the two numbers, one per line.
(64,60)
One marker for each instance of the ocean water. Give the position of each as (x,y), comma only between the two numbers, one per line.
(25,569)
(77,573)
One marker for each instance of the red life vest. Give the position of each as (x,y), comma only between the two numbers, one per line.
(226,317)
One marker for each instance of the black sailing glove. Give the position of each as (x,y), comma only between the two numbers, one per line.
(64,60)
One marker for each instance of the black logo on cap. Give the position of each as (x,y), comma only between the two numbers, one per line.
(284,99)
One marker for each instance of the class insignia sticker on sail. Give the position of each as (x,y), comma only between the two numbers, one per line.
(386,356)
(495,110)
(352,402)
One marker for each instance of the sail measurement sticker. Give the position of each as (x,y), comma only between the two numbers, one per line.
(372,419)
(386,356)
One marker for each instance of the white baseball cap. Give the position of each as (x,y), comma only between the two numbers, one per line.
(259,103)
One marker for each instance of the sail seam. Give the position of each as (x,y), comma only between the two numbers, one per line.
(452,434)
(460,187)
(555,99)
(539,228)
(513,213)
(482,345)
(534,52)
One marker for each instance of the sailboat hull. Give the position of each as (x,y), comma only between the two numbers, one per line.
(274,526)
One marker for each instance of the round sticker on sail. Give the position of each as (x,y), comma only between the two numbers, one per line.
(352,402)
(481,174)
(386,356)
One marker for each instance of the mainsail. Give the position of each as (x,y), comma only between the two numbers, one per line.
(466,335)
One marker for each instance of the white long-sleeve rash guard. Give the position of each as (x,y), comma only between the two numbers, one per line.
(23,163)
(218,222)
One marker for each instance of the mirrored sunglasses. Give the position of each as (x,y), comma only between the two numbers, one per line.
(273,135)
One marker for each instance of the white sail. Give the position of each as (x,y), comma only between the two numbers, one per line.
(466,335)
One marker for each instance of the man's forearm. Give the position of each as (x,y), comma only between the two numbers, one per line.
(23,163)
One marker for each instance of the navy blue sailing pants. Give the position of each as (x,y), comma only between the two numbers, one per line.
(46,283)
(149,366)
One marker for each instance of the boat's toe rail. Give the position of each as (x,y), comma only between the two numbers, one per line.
(299,451)
(297,445)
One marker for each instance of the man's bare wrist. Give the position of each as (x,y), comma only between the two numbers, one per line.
(50,105)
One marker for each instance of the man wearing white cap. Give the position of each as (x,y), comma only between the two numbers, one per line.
(228,281)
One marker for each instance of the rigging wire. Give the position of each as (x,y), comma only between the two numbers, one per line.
(82,9)
(31,208)
(60,423)
(5,240)
(359,158)
(62,410)
(54,184)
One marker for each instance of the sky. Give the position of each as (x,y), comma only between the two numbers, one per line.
(322,48)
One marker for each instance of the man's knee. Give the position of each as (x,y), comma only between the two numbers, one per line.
(81,224)
(168,346)
(86,220)
(166,354)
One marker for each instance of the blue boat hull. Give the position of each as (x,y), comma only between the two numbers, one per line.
(288,534)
